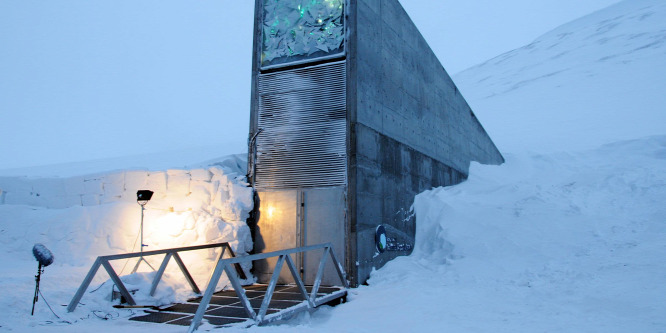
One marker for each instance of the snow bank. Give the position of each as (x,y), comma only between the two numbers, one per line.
(80,218)
(553,242)
(560,242)
(541,208)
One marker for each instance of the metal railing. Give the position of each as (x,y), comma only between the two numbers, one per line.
(104,261)
(309,301)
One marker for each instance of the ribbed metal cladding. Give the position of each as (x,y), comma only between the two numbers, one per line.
(303,116)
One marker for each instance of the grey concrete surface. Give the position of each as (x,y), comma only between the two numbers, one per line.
(409,129)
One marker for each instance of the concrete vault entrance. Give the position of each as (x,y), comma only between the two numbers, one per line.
(352,115)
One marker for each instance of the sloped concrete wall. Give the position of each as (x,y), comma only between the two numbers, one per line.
(403,91)
(411,130)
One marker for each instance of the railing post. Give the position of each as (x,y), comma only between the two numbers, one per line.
(160,272)
(84,285)
(320,273)
(118,282)
(240,292)
(299,282)
(210,289)
(338,268)
(188,277)
(271,288)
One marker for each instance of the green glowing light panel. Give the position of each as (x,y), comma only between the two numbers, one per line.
(298,30)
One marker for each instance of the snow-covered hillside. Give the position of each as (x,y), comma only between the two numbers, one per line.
(595,80)
(569,235)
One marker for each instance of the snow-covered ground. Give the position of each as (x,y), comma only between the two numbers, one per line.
(569,235)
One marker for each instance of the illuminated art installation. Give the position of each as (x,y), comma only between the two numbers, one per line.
(301,29)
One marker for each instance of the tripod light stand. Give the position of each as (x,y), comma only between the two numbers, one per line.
(142,198)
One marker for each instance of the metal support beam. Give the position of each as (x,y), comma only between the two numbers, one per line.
(299,282)
(212,273)
(188,277)
(320,273)
(284,255)
(116,279)
(84,285)
(160,272)
(104,261)
(208,294)
(232,268)
(339,269)
(240,292)
(271,288)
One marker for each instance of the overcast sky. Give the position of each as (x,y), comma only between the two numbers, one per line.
(83,80)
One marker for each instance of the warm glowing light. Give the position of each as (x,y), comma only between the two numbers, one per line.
(271,211)
(166,230)
(170,225)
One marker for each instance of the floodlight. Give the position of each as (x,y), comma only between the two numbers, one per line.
(142,198)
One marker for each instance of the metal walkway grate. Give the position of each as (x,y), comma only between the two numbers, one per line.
(225,307)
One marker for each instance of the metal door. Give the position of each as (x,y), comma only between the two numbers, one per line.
(323,222)
(295,218)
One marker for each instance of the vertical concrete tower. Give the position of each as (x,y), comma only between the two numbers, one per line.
(352,116)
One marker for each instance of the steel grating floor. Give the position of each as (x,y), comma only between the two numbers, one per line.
(225,307)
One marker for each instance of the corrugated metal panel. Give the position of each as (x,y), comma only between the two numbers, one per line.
(303,115)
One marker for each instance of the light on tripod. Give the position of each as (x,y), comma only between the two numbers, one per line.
(142,198)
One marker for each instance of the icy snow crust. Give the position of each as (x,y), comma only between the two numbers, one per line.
(567,238)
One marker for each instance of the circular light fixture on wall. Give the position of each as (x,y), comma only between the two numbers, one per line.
(380,238)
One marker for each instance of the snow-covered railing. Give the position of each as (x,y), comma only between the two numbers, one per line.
(104,261)
(310,301)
